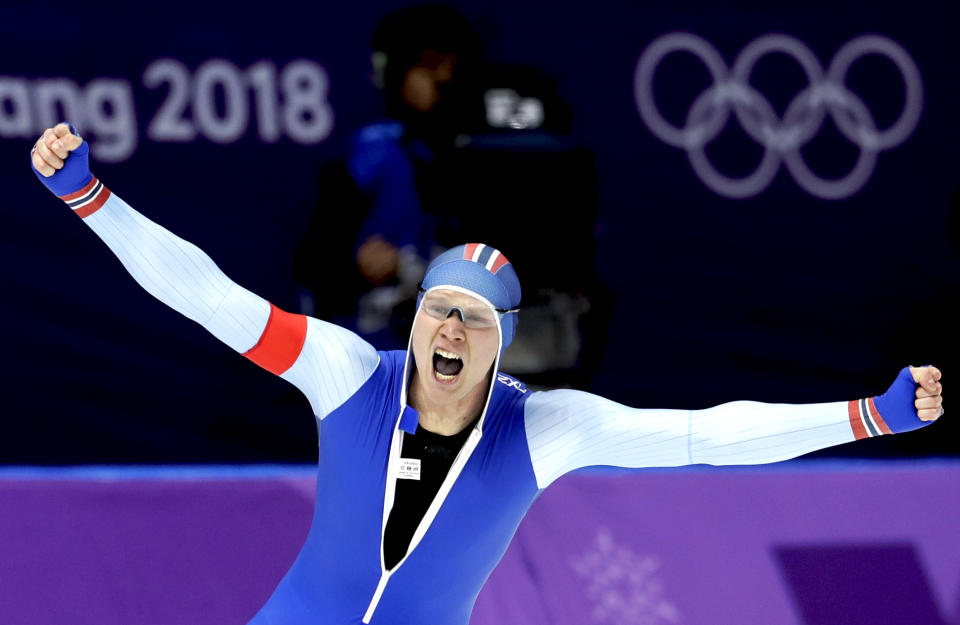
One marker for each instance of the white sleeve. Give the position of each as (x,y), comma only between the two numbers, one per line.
(180,275)
(326,362)
(332,365)
(569,429)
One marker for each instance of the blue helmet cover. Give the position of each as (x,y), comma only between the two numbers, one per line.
(480,269)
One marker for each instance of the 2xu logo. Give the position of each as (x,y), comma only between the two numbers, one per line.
(782,139)
(503,379)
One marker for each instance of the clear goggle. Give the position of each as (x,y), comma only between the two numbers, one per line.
(477,316)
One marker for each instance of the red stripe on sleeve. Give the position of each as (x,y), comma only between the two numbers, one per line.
(281,342)
(859,430)
(82,192)
(877,418)
(88,209)
(469,250)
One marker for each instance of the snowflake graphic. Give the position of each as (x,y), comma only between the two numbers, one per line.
(623,586)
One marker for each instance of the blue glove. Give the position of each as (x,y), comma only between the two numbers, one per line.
(896,405)
(75,173)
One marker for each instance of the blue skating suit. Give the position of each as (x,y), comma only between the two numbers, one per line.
(334,581)
(522,442)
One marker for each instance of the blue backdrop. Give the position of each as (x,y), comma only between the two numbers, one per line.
(214,118)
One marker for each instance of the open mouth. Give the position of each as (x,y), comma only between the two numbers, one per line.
(446,366)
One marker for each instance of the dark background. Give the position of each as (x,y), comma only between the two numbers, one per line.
(782,297)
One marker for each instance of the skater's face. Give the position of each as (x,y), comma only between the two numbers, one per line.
(456,338)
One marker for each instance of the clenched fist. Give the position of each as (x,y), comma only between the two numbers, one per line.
(913,400)
(60,158)
(929,393)
(52,148)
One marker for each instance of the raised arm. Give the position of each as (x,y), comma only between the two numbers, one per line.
(569,429)
(326,362)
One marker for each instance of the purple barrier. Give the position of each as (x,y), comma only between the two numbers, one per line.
(146,551)
(861,545)
(797,544)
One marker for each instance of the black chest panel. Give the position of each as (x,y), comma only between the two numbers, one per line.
(436,454)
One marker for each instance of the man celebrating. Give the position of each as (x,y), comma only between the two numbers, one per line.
(430,457)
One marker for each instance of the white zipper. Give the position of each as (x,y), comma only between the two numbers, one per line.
(393,460)
(455,469)
(381,586)
(388,496)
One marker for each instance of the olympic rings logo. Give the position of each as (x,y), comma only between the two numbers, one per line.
(782,139)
